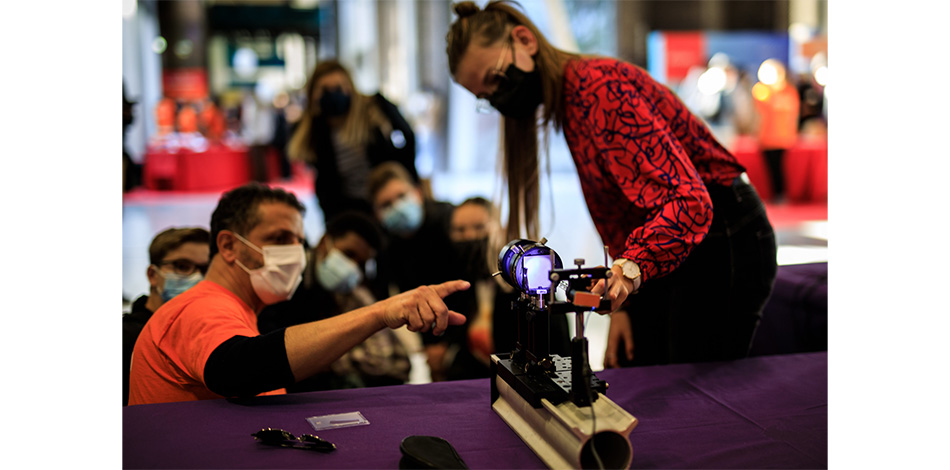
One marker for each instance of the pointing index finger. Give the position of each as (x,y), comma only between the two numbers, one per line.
(450,287)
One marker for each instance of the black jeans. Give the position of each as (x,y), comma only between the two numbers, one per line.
(709,307)
(773,160)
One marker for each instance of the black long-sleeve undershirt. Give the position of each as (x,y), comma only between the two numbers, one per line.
(247,366)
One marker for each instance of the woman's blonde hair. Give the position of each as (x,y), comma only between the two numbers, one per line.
(520,163)
(364,115)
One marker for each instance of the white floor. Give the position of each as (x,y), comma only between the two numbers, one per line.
(569,231)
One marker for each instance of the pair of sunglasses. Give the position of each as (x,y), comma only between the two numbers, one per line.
(281,438)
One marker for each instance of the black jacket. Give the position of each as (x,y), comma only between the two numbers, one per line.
(382,148)
(132,324)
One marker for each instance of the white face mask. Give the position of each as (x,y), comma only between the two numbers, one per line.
(281,273)
(338,273)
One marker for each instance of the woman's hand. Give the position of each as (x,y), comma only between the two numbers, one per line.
(619,339)
(618,288)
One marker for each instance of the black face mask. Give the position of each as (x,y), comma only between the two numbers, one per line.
(519,96)
(334,103)
(470,257)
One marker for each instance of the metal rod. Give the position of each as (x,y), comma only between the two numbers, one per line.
(578,324)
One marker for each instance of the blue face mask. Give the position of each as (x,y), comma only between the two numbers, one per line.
(404,217)
(176,283)
(338,273)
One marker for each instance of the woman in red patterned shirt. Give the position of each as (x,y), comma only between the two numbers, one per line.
(688,233)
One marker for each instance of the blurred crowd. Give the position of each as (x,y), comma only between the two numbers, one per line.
(740,99)
(769,105)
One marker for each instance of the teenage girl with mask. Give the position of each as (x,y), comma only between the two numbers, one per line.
(687,232)
(418,245)
(344,135)
(419,249)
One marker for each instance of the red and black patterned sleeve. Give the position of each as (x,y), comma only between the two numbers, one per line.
(645,196)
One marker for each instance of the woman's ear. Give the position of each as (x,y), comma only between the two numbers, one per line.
(522,35)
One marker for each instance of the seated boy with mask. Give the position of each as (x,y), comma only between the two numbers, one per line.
(179,258)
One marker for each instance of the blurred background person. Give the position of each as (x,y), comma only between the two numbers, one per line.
(812,120)
(179,259)
(745,119)
(282,131)
(777,103)
(417,231)
(258,120)
(344,134)
(419,250)
(333,283)
(465,352)
(473,221)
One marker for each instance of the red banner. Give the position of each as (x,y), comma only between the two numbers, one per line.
(683,51)
(188,84)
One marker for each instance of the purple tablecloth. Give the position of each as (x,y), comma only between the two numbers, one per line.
(762,412)
(795,318)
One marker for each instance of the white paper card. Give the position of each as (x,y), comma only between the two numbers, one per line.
(340,420)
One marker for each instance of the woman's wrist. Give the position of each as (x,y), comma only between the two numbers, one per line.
(631,271)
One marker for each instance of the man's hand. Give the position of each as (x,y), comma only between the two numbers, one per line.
(422,308)
(618,288)
(619,338)
(311,347)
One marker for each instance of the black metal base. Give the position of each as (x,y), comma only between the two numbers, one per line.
(554,384)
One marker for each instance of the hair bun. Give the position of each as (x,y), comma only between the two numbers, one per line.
(466,9)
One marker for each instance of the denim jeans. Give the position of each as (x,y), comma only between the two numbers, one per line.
(709,307)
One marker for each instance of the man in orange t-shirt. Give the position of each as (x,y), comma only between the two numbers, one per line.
(205,343)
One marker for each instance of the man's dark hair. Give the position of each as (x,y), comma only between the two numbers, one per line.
(237,209)
(173,238)
(358,223)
